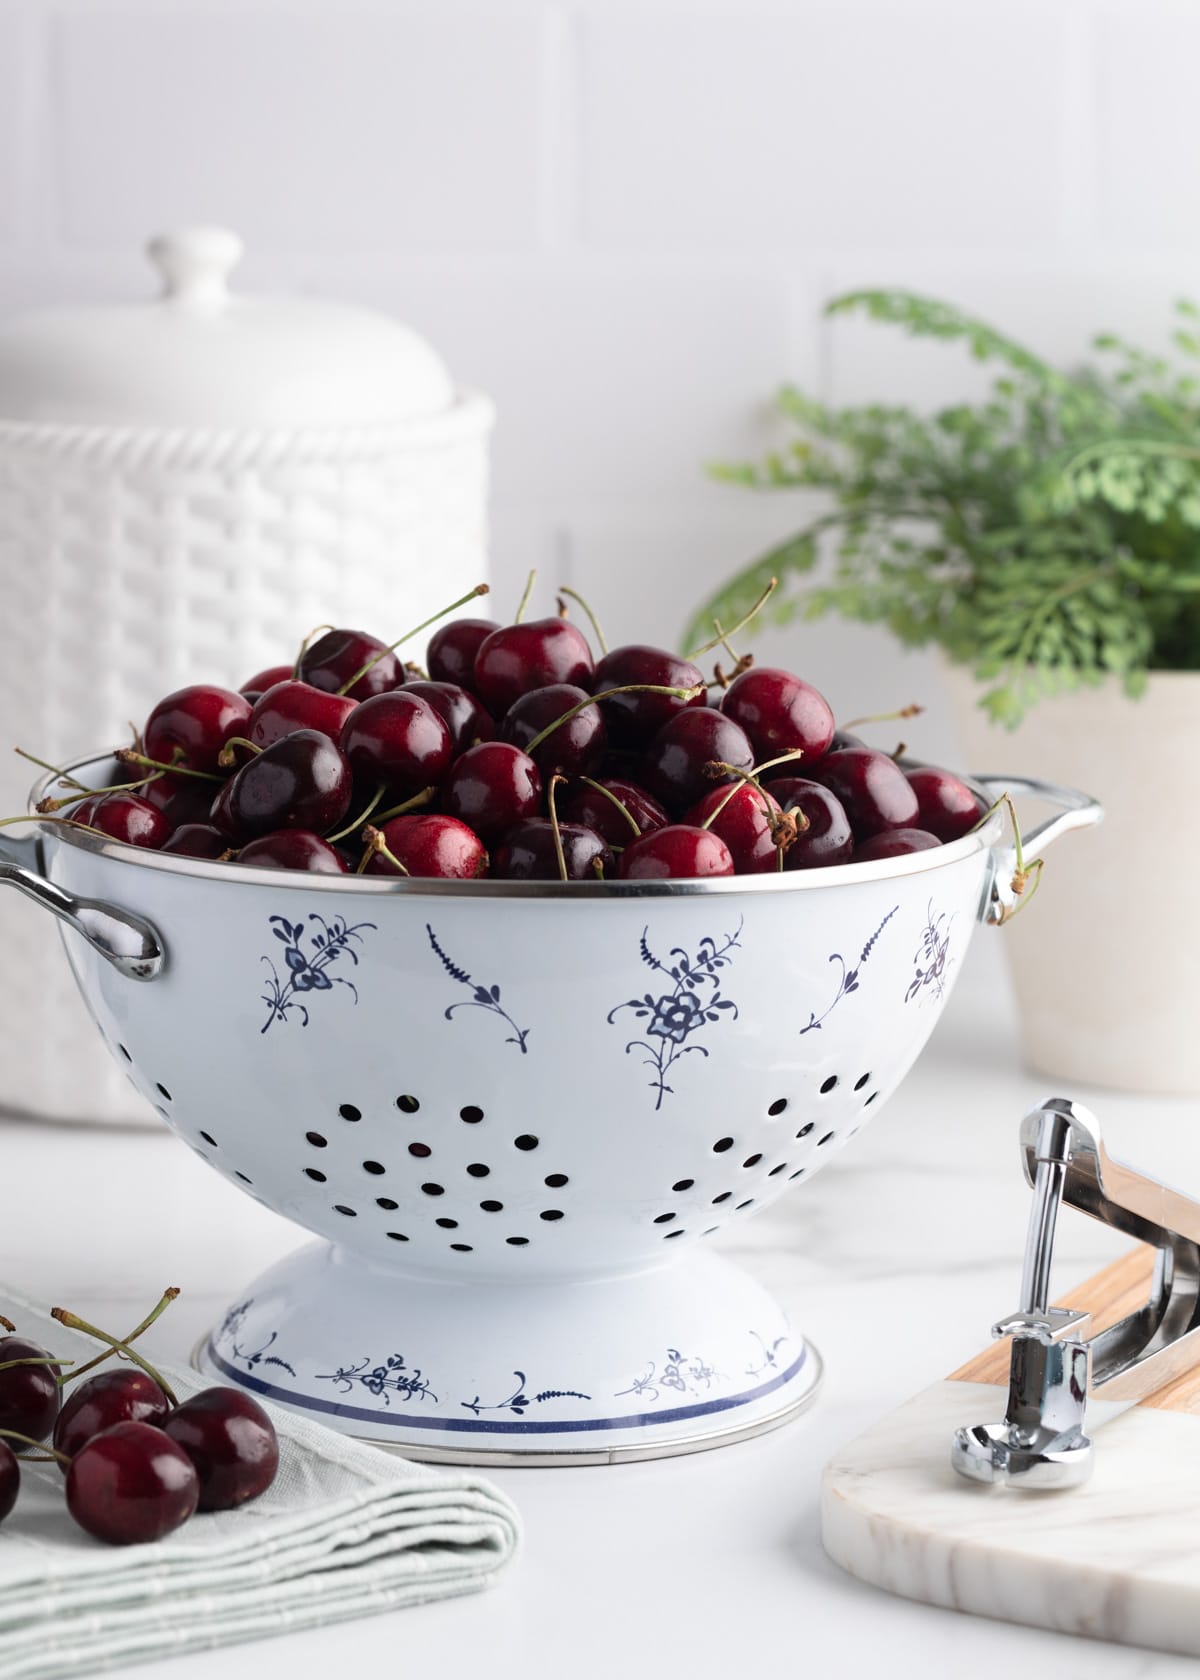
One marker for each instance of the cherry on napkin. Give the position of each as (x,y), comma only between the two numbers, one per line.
(345,1530)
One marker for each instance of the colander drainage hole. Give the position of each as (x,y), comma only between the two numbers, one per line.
(746,1204)
(517,1242)
(317,1141)
(752,1160)
(664,1218)
(124,1052)
(461,1248)
(551,1214)
(388,1206)
(317,1177)
(349,1112)
(775,1171)
(421,1150)
(340,1207)
(433,1189)
(859,1083)
(670,1234)
(525,1141)
(804,1130)
(397,1236)
(447,1224)
(824,1139)
(243,1178)
(723,1197)
(492,1207)
(375,1167)
(471,1114)
(163,1092)
(478,1170)
(721,1145)
(553,1181)
(407,1105)
(777,1107)
(871,1099)
(159,1109)
(799,1173)
(209,1138)
(680,1184)
(829,1084)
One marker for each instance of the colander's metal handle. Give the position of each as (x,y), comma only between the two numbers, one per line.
(130,944)
(1075,810)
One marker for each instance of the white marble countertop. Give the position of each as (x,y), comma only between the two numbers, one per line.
(895,1260)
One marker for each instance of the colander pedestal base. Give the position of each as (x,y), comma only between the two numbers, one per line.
(557,1370)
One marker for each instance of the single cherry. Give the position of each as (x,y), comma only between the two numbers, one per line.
(297,705)
(746,820)
(450,656)
(181,799)
(129,1395)
(232,1445)
(530,854)
(827,838)
(590,807)
(432,846)
(10,1479)
(779,712)
(131,819)
(85,810)
(338,655)
(572,748)
(521,657)
(29,1394)
(130,1484)
(197,840)
(871,788)
(459,710)
(261,681)
(293,848)
(895,842)
(634,718)
(674,768)
(193,725)
(945,804)
(301,781)
(491,787)
(398,739)
(677,852)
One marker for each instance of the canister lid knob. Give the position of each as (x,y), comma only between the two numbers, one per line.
(195,264)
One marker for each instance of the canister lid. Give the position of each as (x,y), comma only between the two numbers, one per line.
(203,356)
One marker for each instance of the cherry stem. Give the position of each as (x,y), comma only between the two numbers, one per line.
(529,583)
(425,797)
(27,1441)
(898,754)
(361,818)
(304,646)
(595,622)
(1021,876)
(65,779)
(594,699)
(84,828)
(168,1296)
(717,767)
(913,709)
(72,1321)
(7,1324)
(46,807)
(613,800)
(479,589)
(45,1359)
(376,843)
(126,755)
(554,828)
(720,638)
(227,757)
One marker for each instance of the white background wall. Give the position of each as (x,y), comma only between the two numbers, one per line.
(622,218)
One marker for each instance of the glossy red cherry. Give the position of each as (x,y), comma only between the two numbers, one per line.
(130,1484)
(895,842)
(430,845)
(871,788)
(197,840)
(338,655)
(194,724)
(297,705)
(677,852)
(572,747)
(181,799)
(529,853)
(261,681)
(521,657)
(29,1394)
(945,804)
(674,765)
(10,1479)
(842,738)
(745,822)
(491,787)
(85,810)
(129,818)
(398,739)
(462,714)
(634,718)
(450,656)
(590,808)
(779,713)
(126,1396)
(293,848)
(828,838)
(232,1445)
(300,782)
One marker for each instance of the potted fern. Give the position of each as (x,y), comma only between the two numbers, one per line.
(1047,540)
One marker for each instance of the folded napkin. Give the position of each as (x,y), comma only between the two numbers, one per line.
(346,1530)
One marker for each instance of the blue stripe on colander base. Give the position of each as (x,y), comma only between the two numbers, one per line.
(481,1426)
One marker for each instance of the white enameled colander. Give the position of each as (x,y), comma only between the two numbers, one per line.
(513,1112)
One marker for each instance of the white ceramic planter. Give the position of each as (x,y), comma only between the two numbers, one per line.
(514,1112)
(1107,965)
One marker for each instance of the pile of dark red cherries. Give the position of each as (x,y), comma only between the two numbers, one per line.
(137,1463)
(515,753)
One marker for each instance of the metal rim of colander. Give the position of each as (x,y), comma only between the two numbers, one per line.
(796,880)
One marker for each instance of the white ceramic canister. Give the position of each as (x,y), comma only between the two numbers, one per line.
(188,486)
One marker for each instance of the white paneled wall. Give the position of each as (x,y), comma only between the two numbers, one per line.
(621,218)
